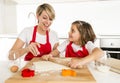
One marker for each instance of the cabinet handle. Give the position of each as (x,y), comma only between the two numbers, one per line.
(111,44)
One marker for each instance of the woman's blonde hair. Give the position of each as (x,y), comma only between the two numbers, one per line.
(86,31)
(48,8)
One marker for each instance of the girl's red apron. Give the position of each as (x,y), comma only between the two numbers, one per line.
(43,49)
(70,52)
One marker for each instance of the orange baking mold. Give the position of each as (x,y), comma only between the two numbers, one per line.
(68,72)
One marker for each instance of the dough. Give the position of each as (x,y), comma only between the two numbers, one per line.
(43,66)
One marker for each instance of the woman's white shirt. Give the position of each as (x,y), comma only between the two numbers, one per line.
(89,46)
(27,33)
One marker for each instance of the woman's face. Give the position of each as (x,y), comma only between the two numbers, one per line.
(44,21)
(74,35)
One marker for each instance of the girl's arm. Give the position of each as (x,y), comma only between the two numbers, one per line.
(96,53)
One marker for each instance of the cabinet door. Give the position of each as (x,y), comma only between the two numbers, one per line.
(110,43)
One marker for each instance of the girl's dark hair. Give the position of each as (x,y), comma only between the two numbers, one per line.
(86,31)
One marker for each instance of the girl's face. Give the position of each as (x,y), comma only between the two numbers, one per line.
(74,35)
(44,21)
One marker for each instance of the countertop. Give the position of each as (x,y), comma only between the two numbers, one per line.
(8,35)
(100,77)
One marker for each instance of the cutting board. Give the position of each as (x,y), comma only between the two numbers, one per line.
(83,75)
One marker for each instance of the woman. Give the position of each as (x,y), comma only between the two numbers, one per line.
(39,40)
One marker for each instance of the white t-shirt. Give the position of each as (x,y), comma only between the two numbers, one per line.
(62,47)
(27,33)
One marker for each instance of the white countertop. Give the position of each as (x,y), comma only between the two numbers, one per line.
(104,77)
(100,77)
(4,70)
(8,35)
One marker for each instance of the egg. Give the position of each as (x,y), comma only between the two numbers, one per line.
(14,68)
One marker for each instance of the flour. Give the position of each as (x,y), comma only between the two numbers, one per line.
(43,66)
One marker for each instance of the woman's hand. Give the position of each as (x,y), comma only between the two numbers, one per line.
(47,57)
(13,55)
(76,63)
(33,48)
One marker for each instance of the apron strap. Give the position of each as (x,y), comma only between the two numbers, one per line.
(47,34)
(34,34)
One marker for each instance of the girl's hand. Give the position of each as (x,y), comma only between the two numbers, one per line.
(47,57)
(33,48)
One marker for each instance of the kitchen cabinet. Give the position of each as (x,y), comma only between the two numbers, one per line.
(111,44)
(8,18)
(1,15)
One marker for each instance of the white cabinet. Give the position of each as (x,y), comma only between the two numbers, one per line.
(110,42)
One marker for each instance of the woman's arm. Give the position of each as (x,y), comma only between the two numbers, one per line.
(17,48)
(56,50)
(54,53)
(55,46)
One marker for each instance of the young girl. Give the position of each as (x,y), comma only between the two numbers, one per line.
(80,44)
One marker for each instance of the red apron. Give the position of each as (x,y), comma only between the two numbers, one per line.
(43,49)
(70,52)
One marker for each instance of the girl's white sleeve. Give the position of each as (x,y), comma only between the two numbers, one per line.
(90,46)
